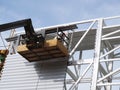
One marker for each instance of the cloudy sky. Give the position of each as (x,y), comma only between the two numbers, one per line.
(52,12)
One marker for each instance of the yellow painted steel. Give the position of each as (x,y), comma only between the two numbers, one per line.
(53,48)
(4,52)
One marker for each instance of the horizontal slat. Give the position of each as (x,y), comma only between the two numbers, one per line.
(19,74)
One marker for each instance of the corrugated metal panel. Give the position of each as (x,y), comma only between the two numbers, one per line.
(19,74)
(91,37)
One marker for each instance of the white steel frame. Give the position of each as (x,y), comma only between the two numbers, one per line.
(102,68)
(102,77)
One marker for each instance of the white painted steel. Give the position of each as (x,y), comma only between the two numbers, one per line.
(97,55)
(109,34)
(109,74)
(81,39)
(77,81)
(107,84)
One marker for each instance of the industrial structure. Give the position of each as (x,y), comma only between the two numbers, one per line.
(63,57)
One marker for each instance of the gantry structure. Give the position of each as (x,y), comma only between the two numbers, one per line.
(94,54)
(101,69)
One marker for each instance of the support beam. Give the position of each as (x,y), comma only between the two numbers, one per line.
(111,73)
(110,51)
(108,84)
(80,62)
(78,80)
(104,72)
(109,38)
(81,39)
(97,55)
(106,35)
(71,74)
(88,61)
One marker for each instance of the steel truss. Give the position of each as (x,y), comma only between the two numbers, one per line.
(101,71)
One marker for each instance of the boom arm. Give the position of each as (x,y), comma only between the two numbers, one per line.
(26,23)
(32,39)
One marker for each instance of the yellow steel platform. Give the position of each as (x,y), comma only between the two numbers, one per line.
(52,49)
(4,52)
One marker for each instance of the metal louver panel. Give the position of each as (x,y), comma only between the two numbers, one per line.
(19,74)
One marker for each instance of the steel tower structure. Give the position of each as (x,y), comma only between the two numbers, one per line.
(102,70)
(99,41)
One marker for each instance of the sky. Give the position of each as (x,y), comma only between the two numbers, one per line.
(53,12)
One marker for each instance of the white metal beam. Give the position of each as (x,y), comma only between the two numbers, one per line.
(81,39)
(97,55)
(78,80)
(71,74)
(109,38)
(111,73)
(110,51)
(104,72)
(107,84)
(114,32)
(88,61)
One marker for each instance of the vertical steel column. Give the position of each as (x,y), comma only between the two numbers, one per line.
(97,55)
